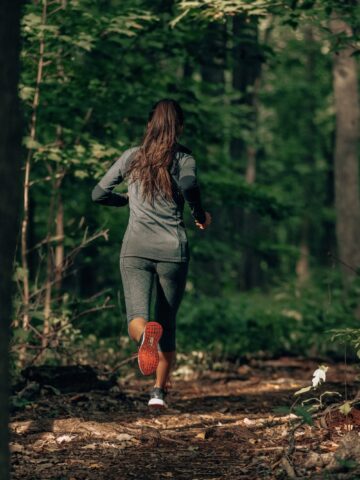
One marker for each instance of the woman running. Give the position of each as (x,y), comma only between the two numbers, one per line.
(160,173)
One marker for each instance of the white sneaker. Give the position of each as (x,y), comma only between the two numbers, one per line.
(157,396)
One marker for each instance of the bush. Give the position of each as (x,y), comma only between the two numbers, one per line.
(288,320)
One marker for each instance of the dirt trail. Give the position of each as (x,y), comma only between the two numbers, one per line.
(219,425)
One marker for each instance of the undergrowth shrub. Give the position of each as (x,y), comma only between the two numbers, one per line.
(288,320)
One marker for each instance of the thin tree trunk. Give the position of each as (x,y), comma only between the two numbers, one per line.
(53,275)
(25,221)
(212,68)
(246,81)
(59,220)
(251,221)
(246,71)
(10,173)
(302,267)
(250,173)
(49,281)
(59,249)
(346,169)
(47,300)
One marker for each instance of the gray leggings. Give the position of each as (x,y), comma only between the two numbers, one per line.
(138,275)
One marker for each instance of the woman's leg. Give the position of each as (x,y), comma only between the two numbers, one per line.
(137,278)
(170,287)
(138,274)
(166,363)
(136,328)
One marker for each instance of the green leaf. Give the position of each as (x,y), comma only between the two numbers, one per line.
(26,92)
(31,144)
(81,174)
(282,410)
(303,413)
(345,408)
(19,402)
(32,20)
(38,315)
(20,274)
(55,156)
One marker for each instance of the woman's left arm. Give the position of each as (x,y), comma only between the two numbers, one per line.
(103,193)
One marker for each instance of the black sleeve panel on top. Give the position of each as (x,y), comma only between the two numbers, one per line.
(103,197)
(190,188)
(103,193)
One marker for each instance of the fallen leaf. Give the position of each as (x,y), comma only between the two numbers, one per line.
(90,446)
(16,448)
(289,469)
(123,437)
(80,397)
(249,422)
(45,465)
(65,438)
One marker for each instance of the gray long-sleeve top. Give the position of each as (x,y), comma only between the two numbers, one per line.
(157,230)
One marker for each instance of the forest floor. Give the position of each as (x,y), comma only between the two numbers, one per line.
(220,424)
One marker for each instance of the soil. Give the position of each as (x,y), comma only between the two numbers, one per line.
(219,424)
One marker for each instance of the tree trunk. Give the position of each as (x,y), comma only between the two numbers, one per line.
(212,68)
(213,65)
(246,81)
(10,173)
(308,139)
(59,249)
(346,169)
(302,265)
(55,260)
(246,60)
(25,221)
(49,267)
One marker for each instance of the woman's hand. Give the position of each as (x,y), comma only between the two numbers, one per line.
(203,226)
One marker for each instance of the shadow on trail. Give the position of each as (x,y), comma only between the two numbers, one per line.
(202,435)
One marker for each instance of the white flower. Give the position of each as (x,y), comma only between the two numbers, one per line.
(319,375)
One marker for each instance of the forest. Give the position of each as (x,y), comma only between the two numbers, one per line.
(268,335)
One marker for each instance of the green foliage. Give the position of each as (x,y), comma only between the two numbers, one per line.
(288,320)
(291,12)
(347,336)
(238,192)
(218,10)
(304,414)
(104,65)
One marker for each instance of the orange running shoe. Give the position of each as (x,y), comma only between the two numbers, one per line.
(148,355)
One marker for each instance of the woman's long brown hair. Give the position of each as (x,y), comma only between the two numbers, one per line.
(150,165)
